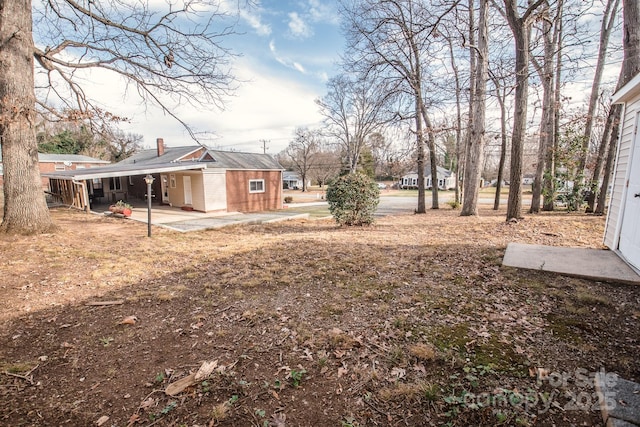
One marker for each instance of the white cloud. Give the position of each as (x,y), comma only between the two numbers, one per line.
(287,62)
(298,27)
(256,23)
(323,12)
(267,106)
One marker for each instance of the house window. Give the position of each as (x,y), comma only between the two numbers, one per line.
(256,186)
(60,166)
(172,180)
(114,183)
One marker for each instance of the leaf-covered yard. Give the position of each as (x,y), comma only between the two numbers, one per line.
(411,321)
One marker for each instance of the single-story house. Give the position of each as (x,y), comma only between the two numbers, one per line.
(528,179)
(446,179)
(622,230)
(61,162)
(189,177)
(291,180)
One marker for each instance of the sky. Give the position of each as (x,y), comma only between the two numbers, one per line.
(288,48)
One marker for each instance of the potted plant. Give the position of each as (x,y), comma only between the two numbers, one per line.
(121,208)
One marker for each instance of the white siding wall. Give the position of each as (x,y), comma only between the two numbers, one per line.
(215,190)
(621,171)
(197,192)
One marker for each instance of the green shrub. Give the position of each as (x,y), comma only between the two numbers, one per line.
(454,204)
(353,199)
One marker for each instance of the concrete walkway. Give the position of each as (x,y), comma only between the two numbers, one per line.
(619,399)
(183,221)
(595,264)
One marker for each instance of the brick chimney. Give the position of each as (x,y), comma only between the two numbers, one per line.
(160,144)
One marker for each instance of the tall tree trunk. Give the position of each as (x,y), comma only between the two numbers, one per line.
(503,146)
(630,67)
(431,142)
(546,123)
(597,171)
(616,111)
(472,75)
(459,145)
(420,156)
(631,41)
(25,208)
(549,178)
(606,27)
(521,33)
(475,150)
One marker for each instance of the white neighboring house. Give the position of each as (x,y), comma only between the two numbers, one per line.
(622,230)
(446,179)
(291,180)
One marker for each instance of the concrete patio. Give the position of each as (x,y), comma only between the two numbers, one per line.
(595,264)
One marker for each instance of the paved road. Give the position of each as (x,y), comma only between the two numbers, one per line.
(393,205)
(192,221)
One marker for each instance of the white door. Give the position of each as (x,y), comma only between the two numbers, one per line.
(164,183)
(630,231)
(188,200)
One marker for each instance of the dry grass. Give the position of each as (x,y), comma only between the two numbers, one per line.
(391,323)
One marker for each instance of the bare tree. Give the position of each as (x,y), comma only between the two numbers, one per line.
(154,51)
(549,34)
(302,152)
(121,145)
(608,21)
(390,38)
(326,165)
(502,90)
(521,28)
(25,209)
(459,146)
(476,144)
(630,67)
(353,111)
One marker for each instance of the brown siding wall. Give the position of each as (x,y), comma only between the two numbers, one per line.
(238,196)
(51,167)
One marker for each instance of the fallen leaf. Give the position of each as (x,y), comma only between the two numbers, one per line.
(179,386)
(133,419)
(148,403)
(342,371)
(339,353)
(398,373)
(278,420)
(103,419)
(129,320)
(542,373)
(205,370)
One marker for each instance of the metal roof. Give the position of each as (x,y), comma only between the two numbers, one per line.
(75,158)
(123,170)
(148,162)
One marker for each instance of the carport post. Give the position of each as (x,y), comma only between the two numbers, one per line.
(149,180)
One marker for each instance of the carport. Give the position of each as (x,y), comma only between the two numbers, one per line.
(81,187)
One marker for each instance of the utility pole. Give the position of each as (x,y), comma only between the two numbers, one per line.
(264,145)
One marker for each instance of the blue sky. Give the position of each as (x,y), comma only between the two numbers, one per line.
(288,50)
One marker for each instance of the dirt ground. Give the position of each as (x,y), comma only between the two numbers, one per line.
(410,322)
